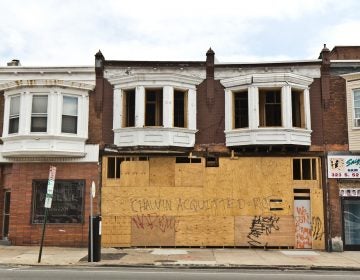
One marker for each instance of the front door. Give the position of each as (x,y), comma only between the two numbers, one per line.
(302,216)
(6,218)
(351,222)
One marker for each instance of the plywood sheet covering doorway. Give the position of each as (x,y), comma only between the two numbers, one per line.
(188,204)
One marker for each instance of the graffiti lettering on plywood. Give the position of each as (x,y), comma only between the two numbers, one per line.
(197,205)
(303,237)
(154,222)
(317,228)
(260,226)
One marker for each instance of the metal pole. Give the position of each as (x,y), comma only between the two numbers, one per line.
(91,227)
(43,235)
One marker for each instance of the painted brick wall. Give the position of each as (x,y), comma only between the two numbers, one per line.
(22,232)
(95,125)
(107,120)
(210,117)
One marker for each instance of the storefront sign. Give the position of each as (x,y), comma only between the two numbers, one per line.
(344,167)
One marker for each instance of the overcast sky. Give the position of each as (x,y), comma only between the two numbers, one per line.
(70,32)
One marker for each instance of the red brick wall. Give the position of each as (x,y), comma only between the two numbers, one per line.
(335,115)
(107,111)
(316,113)
(345,52)
(335,208)
(95,125)
(22,232)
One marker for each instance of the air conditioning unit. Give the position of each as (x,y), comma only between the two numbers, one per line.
(357,123)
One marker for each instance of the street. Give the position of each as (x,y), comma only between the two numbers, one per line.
(79,273)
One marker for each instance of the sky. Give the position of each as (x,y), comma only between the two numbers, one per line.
(70,32)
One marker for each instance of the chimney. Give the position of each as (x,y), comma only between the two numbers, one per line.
(14,62)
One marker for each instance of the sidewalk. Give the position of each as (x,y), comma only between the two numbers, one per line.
(192,257)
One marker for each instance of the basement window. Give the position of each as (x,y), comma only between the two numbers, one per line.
(129,108)
(304,169)
(113,167)
(297,106)
(241,110)
(270,107)
(180,108)
(153,107)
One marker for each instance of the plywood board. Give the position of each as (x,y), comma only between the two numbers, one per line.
(205,231)
(134,174)
(149,230)
(116,231)
(189,174)
(317,219)
(264,231)
(162,172)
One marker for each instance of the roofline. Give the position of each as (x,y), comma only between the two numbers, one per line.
(134,63)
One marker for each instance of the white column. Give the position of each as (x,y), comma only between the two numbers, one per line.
(307,109)
(286,108)
(25,112)
(191,110)
(54,112)
(118,108)
(253,101)
(83,115)
(228,110)
(168,106)
(140,106)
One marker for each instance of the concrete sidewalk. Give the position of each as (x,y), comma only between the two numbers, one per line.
(209,258)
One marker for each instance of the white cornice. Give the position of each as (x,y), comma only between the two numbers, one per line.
(285,78)
(45,83)
(149,78)
(11,70)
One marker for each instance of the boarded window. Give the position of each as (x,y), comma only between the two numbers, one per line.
(67,202)
(270,107)
(14,114)
(297,106)
(180,109)
(153,107)
(304,169)
(129,108)
(241,110)
(39,113)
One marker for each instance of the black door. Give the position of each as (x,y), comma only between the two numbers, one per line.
(351,223)
(6,218)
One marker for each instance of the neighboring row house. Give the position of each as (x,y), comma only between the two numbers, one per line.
(185,153)
(44,122)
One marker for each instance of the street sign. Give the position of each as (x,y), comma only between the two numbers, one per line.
(48,201)
(50,187)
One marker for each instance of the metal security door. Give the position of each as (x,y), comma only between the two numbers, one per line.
(302,216)
(6,217)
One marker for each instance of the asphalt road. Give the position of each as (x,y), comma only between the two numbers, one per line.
(104,273)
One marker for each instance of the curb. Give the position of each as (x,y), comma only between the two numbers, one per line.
(191,266)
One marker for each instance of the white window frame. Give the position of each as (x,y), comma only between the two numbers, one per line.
(77,113)
(14,116)
(355,120)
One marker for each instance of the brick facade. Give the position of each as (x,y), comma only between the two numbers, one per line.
(19,180)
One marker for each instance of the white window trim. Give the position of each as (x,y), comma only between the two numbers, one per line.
(353,108)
